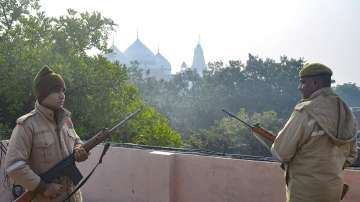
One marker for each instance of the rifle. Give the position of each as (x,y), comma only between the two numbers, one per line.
(271,137)
(255,128)
(67,167)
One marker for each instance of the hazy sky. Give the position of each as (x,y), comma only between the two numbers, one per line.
(326,31)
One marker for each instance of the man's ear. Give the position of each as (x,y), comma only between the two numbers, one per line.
(316,83)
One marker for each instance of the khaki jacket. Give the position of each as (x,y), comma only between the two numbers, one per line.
(37,143)
(315,145)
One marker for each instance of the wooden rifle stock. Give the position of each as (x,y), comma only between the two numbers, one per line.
(25,197)
(264,133)
(255,128)
(91,143)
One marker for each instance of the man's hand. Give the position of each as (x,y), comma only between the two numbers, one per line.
(80,153)
(53,190)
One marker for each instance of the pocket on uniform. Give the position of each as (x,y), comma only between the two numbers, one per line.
(43,147)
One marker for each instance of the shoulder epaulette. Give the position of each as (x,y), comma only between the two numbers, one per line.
(302,105)
(25,117)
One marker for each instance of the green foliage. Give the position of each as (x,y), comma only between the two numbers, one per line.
(98,92)
(12,10)
(231,136)
(5,132)
(350,92)
(193,102)
(153,129)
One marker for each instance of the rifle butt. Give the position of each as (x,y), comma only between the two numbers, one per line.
(264,133)
(25,197)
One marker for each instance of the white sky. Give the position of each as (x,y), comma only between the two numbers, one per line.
(326,31)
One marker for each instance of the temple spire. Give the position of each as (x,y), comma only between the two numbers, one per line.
(198,59)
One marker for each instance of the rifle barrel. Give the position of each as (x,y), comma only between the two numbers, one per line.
(233,115)
(124,120)
(102,135)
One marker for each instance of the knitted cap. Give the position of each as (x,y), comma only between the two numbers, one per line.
(315,69)
(46,82)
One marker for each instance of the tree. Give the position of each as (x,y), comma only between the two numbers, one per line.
(192,102)
(98,92)
(230,136)
(350,92)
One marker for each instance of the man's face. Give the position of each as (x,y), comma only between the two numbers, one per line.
(307,86)
(55,100)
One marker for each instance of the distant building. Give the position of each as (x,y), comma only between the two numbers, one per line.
(183,67)
(198,60)
(153,65)
(117,55)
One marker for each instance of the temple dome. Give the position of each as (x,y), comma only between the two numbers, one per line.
(117,55)
(139,52)
(162,62)
(154,65)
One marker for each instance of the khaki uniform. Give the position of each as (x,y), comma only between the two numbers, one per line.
(315,145)
(37,143)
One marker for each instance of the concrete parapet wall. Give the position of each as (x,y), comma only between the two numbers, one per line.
(129,175)
(135,175)
(138,175)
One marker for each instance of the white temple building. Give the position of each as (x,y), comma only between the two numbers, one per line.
(198,60)
(152,65)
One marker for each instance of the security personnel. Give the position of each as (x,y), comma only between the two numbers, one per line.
(318,141)
(42,138)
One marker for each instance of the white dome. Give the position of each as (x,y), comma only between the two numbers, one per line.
(139,52)
(162,62)
(116,55)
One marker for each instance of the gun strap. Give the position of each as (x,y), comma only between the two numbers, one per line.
(106,148)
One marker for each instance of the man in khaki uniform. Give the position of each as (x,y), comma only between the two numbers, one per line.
(42,138)
(318,141)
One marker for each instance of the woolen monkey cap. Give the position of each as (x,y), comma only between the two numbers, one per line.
(46,82)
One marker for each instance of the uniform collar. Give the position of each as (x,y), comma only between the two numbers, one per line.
(321,91)
(62,113)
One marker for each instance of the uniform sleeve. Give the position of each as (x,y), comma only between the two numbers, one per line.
(17,158)
(72,131)
(291,137)
(353,148)
(78,140)
(352,155)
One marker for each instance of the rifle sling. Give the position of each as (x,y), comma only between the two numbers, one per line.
(106,148)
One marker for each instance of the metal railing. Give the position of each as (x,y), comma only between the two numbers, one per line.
(355,165)
(355,109)
(3,148)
